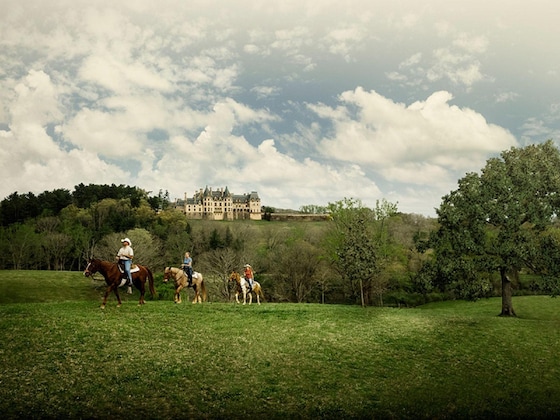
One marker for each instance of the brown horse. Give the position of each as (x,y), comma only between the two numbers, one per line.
(182,281)
(243,287)
(116,278)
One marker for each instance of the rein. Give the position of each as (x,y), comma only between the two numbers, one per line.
(92,275)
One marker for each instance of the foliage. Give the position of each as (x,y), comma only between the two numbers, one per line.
(357,255)
(297,267)
(494,221)
(86,195)
(313,209)
(267,212)
(360,245)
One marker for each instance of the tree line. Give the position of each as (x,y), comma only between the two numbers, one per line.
(496,234)
(296,261)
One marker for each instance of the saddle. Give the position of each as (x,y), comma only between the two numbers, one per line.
(133,268)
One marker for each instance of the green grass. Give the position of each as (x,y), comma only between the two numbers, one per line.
(64,357)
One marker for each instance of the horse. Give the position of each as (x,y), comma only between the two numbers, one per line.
(182,280)
(115,278)
(242,286)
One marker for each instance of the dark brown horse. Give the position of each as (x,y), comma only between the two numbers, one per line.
(115,278)
(182,281)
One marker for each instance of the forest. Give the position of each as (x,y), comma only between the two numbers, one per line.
(294,260)
(496,234)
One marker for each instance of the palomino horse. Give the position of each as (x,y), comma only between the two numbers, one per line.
(115,278)
(182,281)
(243,287)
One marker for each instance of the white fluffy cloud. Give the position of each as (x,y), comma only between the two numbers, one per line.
(423,143)
(304,101)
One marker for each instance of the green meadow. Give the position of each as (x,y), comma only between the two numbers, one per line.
(64,357)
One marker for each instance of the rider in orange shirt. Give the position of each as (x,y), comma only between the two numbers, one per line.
(249,275)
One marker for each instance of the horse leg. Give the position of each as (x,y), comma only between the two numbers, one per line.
(107,291)
(244,296)
(116,289)
(106,296)
(142,292)
(178,294)
(250,297)
(196,293)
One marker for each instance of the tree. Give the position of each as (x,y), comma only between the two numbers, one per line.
(354,250)
(268,212)
(147,248)
(159,202)
(18,208)
(219,263)
(494,221)
(54,201)
(313,209)
(21,243)
(296,266)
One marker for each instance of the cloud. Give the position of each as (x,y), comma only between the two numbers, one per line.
(422,143)
(216,157)
(109,72)
(506,97)
(344,40)
(305,101)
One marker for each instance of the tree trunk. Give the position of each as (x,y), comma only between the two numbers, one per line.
(362,293)
(507,304)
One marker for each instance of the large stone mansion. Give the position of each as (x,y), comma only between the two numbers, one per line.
(221,205)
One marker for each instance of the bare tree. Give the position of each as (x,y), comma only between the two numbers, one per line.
(220,263)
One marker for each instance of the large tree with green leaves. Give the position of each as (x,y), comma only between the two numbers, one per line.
(495,221)
(357,244)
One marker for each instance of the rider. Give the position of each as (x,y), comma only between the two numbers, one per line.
(249,275)
(124,257)
(187,267)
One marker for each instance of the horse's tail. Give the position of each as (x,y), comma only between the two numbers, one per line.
(151,281)
(203,290)
(261,293)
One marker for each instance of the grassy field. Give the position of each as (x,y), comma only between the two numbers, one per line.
(63,357)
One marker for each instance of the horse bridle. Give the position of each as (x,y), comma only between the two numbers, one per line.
(89,273)
(166,273)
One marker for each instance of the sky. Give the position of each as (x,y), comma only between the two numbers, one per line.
(306,102)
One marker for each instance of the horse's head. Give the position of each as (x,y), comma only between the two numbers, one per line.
(166,274)
(92,267)
(234,276)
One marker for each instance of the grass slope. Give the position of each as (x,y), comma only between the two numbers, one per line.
(66,358)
